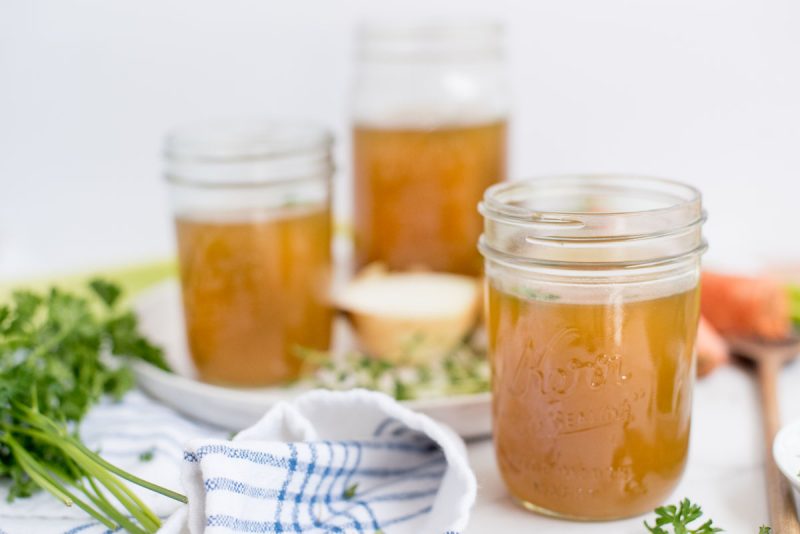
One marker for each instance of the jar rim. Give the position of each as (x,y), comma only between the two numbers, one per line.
(492,205)
(212,153)
(592,220)
(242,138)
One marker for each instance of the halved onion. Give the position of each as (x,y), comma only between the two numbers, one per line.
(410,317)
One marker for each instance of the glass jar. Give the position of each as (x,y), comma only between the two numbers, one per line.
(429,136)
(251,201)
(592,312)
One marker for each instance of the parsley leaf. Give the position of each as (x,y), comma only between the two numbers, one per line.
(679,517)
(108,292)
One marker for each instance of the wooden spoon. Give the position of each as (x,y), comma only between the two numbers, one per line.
(769,357)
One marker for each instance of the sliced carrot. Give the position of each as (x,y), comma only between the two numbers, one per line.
(712,350)
(745,306)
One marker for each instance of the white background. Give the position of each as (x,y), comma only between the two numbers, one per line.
(706,91)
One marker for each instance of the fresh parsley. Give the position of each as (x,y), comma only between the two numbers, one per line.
(55,364)
(679,517)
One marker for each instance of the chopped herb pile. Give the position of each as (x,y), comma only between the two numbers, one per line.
(55,364)
(464,371)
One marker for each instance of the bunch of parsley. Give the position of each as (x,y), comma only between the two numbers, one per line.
(55,364)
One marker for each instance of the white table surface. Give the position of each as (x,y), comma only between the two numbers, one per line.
(724,474)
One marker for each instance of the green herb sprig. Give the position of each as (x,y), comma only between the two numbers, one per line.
(55,364)
(679,517)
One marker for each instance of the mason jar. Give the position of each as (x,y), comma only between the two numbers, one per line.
(251,201)
(430,115)
(592,311)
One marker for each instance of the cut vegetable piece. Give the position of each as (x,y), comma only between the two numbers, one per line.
(744,306)
(410,317)
(712,350)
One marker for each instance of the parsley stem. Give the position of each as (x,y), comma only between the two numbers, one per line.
(132,478)
(92,465)
(42,421)
(114,514)
(121,492)
(76,450)
(38,473)
(102,502)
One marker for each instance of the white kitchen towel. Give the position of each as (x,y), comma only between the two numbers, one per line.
(329,462)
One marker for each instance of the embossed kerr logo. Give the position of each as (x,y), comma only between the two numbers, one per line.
(562,366)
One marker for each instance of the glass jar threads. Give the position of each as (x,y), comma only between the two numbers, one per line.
(592,312)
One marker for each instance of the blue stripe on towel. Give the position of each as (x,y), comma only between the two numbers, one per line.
(286,481)
(316,495)
(299,497)
(265,458)
(255,492)
(328,498)
(248,525)
(348,483)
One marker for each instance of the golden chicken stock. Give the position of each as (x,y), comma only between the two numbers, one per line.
(591,401)
(254,289)
(416,192)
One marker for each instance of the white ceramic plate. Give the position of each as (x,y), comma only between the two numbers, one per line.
(786,451)
(161,319)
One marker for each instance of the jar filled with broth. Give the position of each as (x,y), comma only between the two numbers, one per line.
(251,204)
(592,312)
(429,136)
